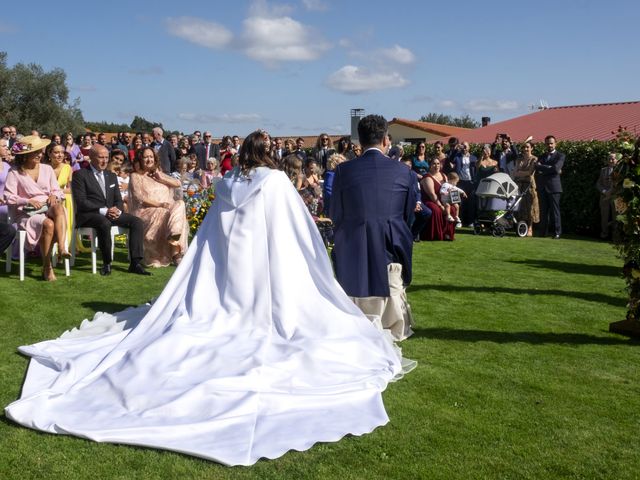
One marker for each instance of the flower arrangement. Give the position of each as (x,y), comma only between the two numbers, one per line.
(626,178)
(197,203)
(19,147)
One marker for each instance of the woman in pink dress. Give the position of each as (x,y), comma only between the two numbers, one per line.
(151,197)
(33,186)
(437,226)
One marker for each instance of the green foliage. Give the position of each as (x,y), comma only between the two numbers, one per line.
(98,127)
(440,118)
(31,98)
(141,124)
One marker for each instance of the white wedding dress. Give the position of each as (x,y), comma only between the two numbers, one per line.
(251,350)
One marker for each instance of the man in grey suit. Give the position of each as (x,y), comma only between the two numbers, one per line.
(548,171)
(164,149)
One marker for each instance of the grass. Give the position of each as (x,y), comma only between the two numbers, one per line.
(518,376)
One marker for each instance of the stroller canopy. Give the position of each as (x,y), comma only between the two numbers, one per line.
(498,185)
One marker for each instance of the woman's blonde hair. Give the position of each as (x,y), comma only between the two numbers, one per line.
(335,160)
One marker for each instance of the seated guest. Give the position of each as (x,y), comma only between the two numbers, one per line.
(99,206)
(4,171)
(32,187)
(211,172)
(151,194)
(327,187)
(54,157)
(436,227)
(292,167)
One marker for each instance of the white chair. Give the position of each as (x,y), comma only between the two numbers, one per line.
(93,239)
(21,238)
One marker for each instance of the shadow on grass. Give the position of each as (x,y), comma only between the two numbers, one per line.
(567,267)
(534,338)
(107,307)
(588,296)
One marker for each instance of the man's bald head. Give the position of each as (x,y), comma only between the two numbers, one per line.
(99,156)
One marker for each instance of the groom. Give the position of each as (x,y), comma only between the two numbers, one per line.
(373,197)
(99,205)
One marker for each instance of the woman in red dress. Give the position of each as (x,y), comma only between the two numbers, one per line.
(437,226)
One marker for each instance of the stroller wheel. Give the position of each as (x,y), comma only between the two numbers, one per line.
(497,231)
(522,228)
(477,229)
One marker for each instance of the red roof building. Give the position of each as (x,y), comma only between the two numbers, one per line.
(402,130)
(578,122)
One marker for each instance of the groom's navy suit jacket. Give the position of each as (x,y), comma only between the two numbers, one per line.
(373,197)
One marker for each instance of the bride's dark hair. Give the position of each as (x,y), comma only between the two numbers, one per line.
(255,152)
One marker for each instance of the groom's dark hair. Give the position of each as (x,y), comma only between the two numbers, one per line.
(371,130)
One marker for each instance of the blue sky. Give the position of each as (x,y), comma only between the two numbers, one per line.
(298,67)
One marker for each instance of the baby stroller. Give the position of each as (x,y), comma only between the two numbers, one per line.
(498,203)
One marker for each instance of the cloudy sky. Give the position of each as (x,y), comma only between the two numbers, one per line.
(298,67)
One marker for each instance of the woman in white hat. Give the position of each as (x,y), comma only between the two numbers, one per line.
(34,192)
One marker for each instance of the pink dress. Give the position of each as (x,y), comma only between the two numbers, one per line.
(20,188)
(159,223)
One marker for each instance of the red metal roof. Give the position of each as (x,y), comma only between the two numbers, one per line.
(577,122)
(433,128)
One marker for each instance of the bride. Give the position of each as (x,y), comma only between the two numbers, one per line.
(251,350)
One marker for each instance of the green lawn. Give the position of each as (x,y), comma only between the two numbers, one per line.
(517,374)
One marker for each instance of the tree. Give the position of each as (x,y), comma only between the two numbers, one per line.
(31,98)
(141,124)
(440,118)
(106,127)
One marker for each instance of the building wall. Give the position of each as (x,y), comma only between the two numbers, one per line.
(401,133)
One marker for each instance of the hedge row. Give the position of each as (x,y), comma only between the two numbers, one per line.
(579,202)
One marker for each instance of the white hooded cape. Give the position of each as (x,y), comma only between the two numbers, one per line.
(251,350)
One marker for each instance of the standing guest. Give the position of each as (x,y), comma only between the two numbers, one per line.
(211,150)
(278,152)
(329,174)
(342,147)
(485,167)
(55,157)
(420,164)
(372,201)
(197,148)
(523,171)
(547,176)
(355,152)
(146,139)
(135,146)
(503,150)
(437,227)
(466,170)
(14,135)
(439,154)
(453,149)
(226,154)
(32,187)
(85,149)
(166,152)
(396,153)
(300,149)
(183,148)
(605,188)
(289,147)
(322,150)
(73,150)
(56,138)
(236,144)
(292,168)
(151,194)
(6,133)
(99,205)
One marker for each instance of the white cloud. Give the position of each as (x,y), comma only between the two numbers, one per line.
(283,39)
(200,32)
(354,79)
(398,54)
(152,70)
(315,5)
(447,104)
(223,118)
(483,105)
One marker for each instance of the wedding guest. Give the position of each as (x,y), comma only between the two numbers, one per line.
(436,228)
(299,151)
(211,173)
(225,153)
(292,167)
(5,167)
(289,147)
(32,187)
(54,157)
(85,149)
(135,146)
(523,171)
(73,150)
(278,152)
(466,170)
(322,150)
(604,185)
(99,205)
(329,174)
(151,195)
(547,176)
(166,152)
(505,152)
(420,163)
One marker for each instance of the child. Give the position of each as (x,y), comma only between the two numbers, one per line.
(445,195)
(123,172)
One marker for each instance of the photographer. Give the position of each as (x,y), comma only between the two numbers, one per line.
(503,150)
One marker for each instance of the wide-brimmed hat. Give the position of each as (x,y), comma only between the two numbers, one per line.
(29,144)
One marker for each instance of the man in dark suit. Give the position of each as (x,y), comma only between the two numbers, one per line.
(547,176)
(99,205)
(164,149)
(372,201)
(505,152)
(322,150)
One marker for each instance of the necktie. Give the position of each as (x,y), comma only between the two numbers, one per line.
(100,177)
